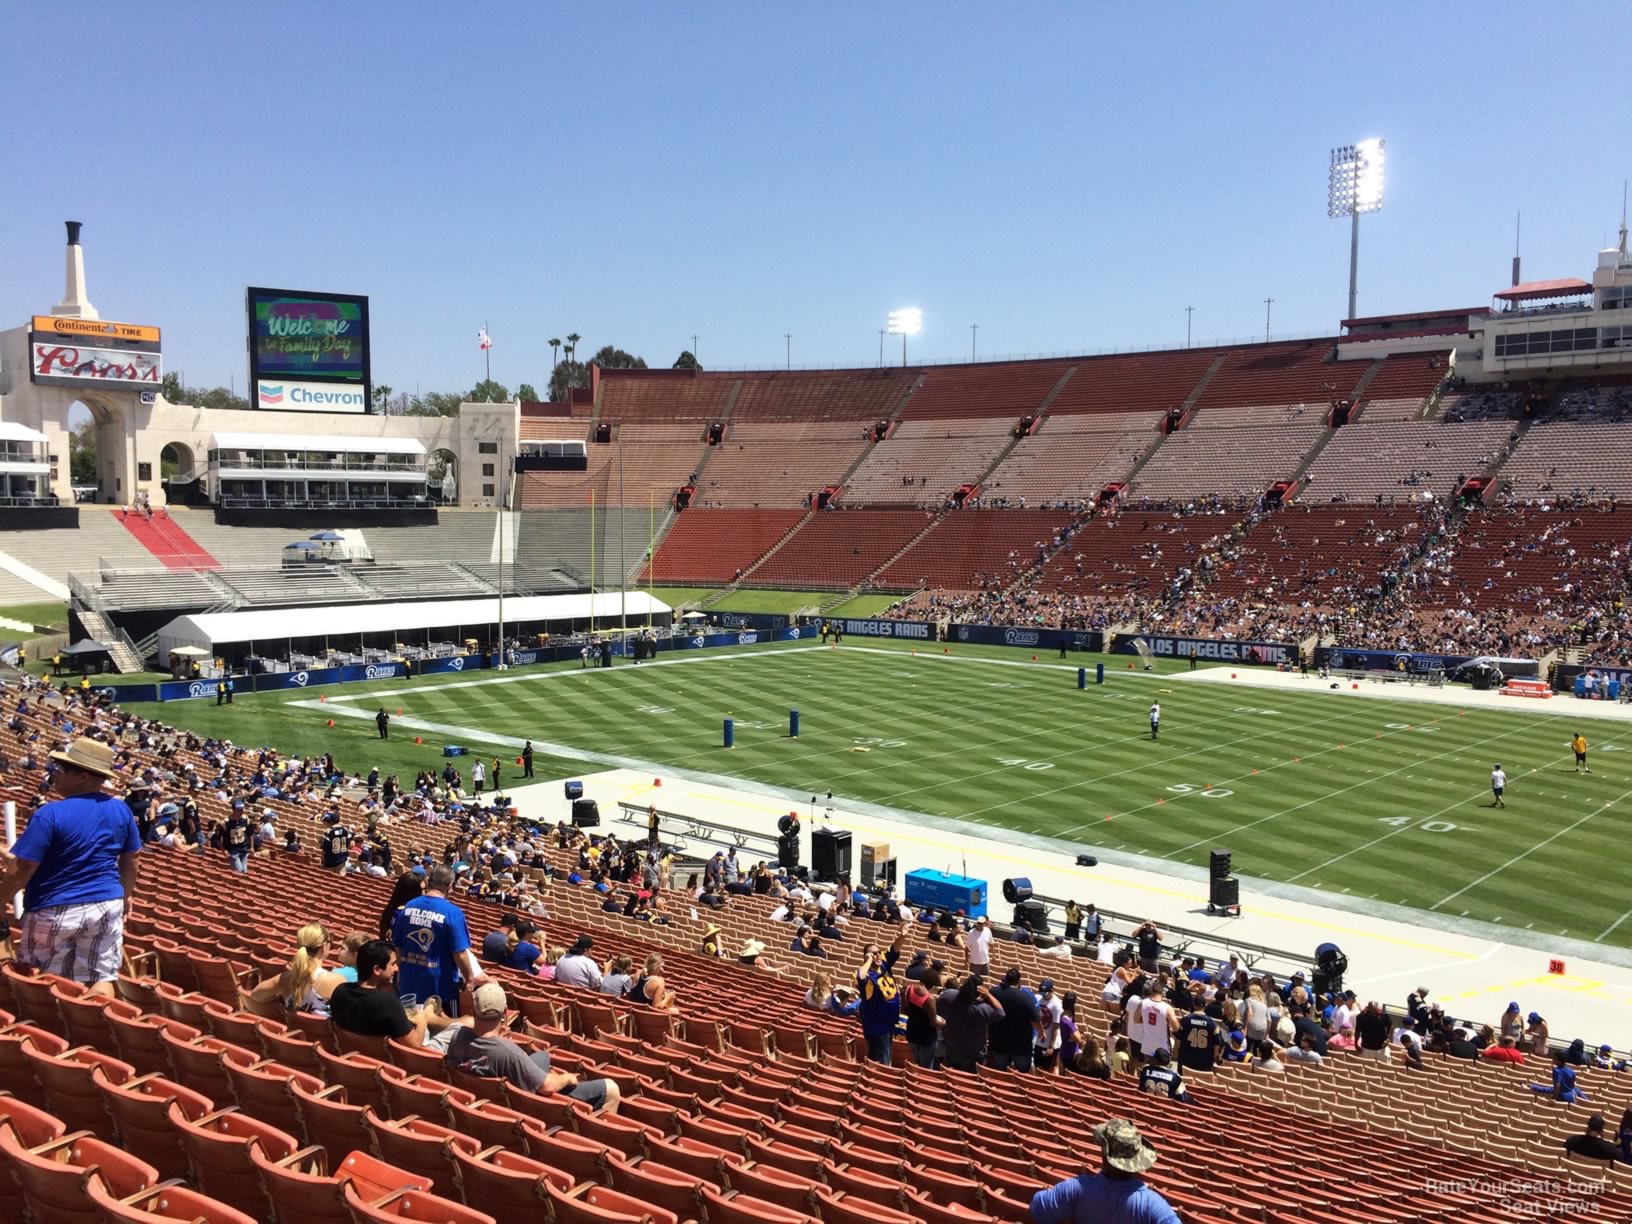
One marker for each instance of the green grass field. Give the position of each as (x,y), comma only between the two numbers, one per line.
(1372,799)
(46,614)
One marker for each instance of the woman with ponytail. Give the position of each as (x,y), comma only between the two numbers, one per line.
(306,984)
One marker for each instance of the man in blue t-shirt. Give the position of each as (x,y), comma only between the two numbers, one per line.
(76,863)
(1115,1192)
(880,997)
(433,945)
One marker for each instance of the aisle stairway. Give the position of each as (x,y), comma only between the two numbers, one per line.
(168,541)
(125,657)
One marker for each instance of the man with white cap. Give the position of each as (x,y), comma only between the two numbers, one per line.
(480,1048)
(1115,1192)
(977,947)
(77,864)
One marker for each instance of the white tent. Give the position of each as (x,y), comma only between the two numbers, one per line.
(274,626)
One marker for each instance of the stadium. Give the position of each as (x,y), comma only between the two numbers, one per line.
(1255,710)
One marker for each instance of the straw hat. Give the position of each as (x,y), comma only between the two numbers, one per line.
(751,947)
(92,756)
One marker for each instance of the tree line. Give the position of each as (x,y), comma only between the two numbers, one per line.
(567,374)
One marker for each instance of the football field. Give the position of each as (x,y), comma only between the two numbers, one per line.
(1372,799)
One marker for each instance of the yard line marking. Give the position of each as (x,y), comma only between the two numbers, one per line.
(1613,925)
(637,743)
(1448,808)
(1253,824)
(1162,762)
(1547,841)
(631,669)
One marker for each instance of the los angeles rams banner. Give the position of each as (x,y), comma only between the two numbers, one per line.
(1217,650)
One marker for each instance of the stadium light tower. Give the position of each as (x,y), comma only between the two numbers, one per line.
(1354,185)
(906,323)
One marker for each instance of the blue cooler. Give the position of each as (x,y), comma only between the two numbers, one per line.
(575,789)
(452,750)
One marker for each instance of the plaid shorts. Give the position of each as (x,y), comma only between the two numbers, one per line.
(84,943)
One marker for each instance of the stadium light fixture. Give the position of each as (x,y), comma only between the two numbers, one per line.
(1354,185)
(904,323)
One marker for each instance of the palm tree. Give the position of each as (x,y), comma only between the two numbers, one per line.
(572,345)
(555,345)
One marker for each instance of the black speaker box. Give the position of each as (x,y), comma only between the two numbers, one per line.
(1033,915)
(1219,865)
(1225,893)
(830,853)
(586,813)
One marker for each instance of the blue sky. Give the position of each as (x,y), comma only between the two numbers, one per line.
(1068,176)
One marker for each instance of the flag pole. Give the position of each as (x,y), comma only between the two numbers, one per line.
(592,563)
(651,550)
(623,553)
(503,502)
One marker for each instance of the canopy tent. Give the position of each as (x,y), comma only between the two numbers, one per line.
(274,626)
(11,431)
(85,646)
(1535,291)
(87,655)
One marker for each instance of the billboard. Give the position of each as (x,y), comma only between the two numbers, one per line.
(93,353)
(282,396)
(300,339)
(54,364)
(90,331)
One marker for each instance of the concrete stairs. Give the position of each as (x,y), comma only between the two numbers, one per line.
(765,556)
(120,647)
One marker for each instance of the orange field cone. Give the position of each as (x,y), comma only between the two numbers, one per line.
(1232,676)
(399,711)
(1355,687)
(1130,666)
(1034,658)
(657,781)
(331,722)
(418,740)
(1107,815)
(320,697)
(1255,771)
(519,761)
(1159,799)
